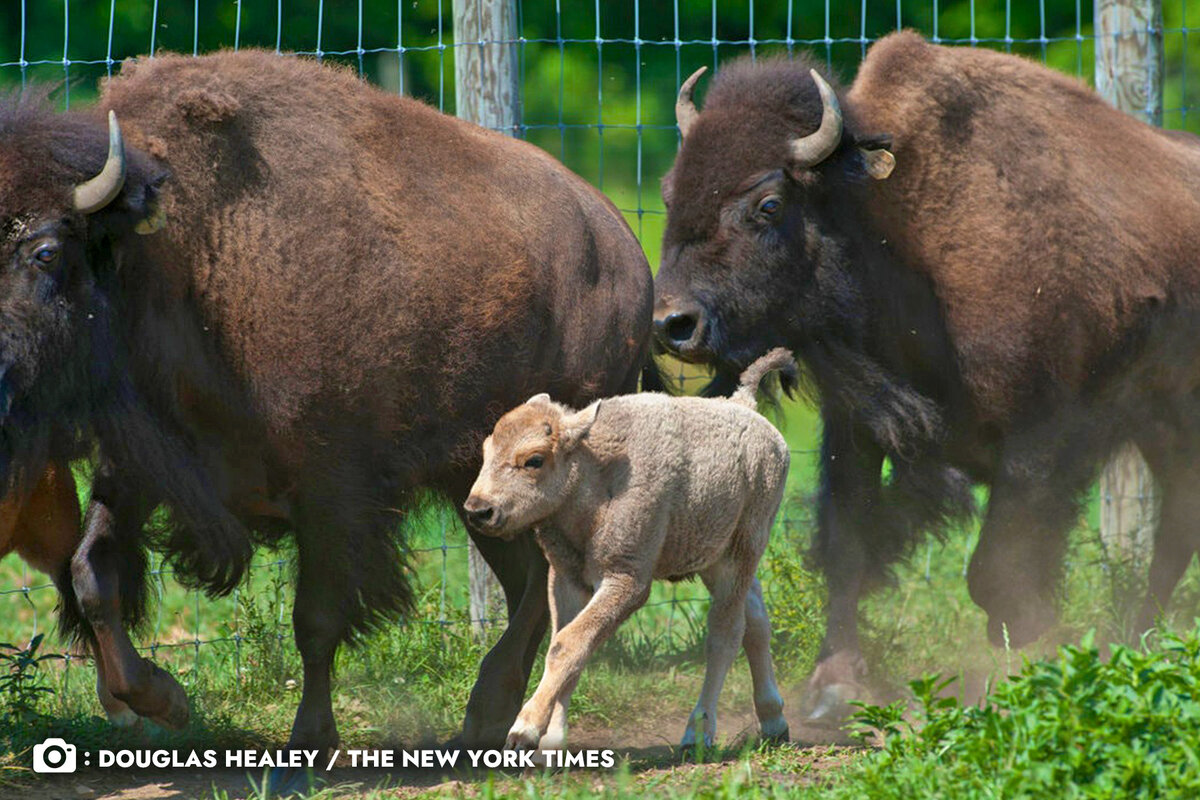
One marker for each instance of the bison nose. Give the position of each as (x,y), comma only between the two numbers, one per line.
(679,328)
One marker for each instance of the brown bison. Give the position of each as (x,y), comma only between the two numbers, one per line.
(991,276)
(337,293)
(41,525)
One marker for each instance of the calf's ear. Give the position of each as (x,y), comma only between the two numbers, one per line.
(575,427)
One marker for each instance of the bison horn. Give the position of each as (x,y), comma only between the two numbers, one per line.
(808,151)
(685,108)
(96,193)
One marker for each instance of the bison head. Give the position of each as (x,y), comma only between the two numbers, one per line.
(527,466)
(758,247)
(68,193)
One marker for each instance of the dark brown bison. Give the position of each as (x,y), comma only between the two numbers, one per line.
(991,276)
(339,292)
(41,525)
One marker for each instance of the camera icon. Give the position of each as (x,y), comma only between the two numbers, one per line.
(54,755)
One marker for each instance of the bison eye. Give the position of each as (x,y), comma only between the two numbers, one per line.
(769,205)
(46,253)
(534,462)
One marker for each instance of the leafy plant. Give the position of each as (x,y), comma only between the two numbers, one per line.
(1074,726)
(22,684)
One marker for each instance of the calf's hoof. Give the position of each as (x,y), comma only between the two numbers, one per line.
(523,736)
(775,731)
(690,738)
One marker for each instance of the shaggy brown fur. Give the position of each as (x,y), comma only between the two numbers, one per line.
(628,490)
(348,291)
(1016,299)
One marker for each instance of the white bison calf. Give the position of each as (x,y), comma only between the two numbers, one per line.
(631,489)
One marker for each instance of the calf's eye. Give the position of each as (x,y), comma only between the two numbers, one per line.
(534,462)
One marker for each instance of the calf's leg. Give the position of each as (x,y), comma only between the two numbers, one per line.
(567,598)
(618,596)
(728,585)
(768,703)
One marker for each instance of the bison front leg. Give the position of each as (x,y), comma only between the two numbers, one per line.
(107,572)
(851,465)
(496,697)
(46,533)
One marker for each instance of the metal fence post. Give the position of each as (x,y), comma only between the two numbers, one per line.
(1129,74)
(487,92)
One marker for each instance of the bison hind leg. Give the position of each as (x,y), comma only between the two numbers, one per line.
(1175,463)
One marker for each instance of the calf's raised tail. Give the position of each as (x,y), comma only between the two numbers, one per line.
(778,359)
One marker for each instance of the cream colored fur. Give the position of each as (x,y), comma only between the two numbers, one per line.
(631,489)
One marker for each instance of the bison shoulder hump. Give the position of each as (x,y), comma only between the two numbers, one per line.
(206,105)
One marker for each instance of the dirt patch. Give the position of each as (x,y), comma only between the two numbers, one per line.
(648,744)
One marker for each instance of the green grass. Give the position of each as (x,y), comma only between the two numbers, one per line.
(410,683)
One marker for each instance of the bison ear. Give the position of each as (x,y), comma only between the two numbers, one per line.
(541,399)
(876,155)
(878,163)
(575,428)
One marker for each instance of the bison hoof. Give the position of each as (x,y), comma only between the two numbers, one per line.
(831,705)
(124,718)
(173,713)
(523,736)
(284,782)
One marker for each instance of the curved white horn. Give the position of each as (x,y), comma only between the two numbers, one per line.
(96,193)
(685,107)
(808,151)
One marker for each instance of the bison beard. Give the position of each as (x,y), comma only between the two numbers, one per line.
(976,296)
(320,337)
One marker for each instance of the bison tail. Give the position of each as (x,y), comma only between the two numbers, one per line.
(778,360)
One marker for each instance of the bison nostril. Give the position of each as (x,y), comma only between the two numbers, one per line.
(481,516)
(680,328)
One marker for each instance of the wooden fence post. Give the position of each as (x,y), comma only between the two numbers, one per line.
(487,92)
(1129,74)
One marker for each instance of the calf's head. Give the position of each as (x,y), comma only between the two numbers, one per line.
(528,466)
(69,193)
(755,251)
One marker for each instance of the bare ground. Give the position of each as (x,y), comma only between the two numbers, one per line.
(647,744)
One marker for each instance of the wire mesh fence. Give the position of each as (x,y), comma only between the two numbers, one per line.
(597,83)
